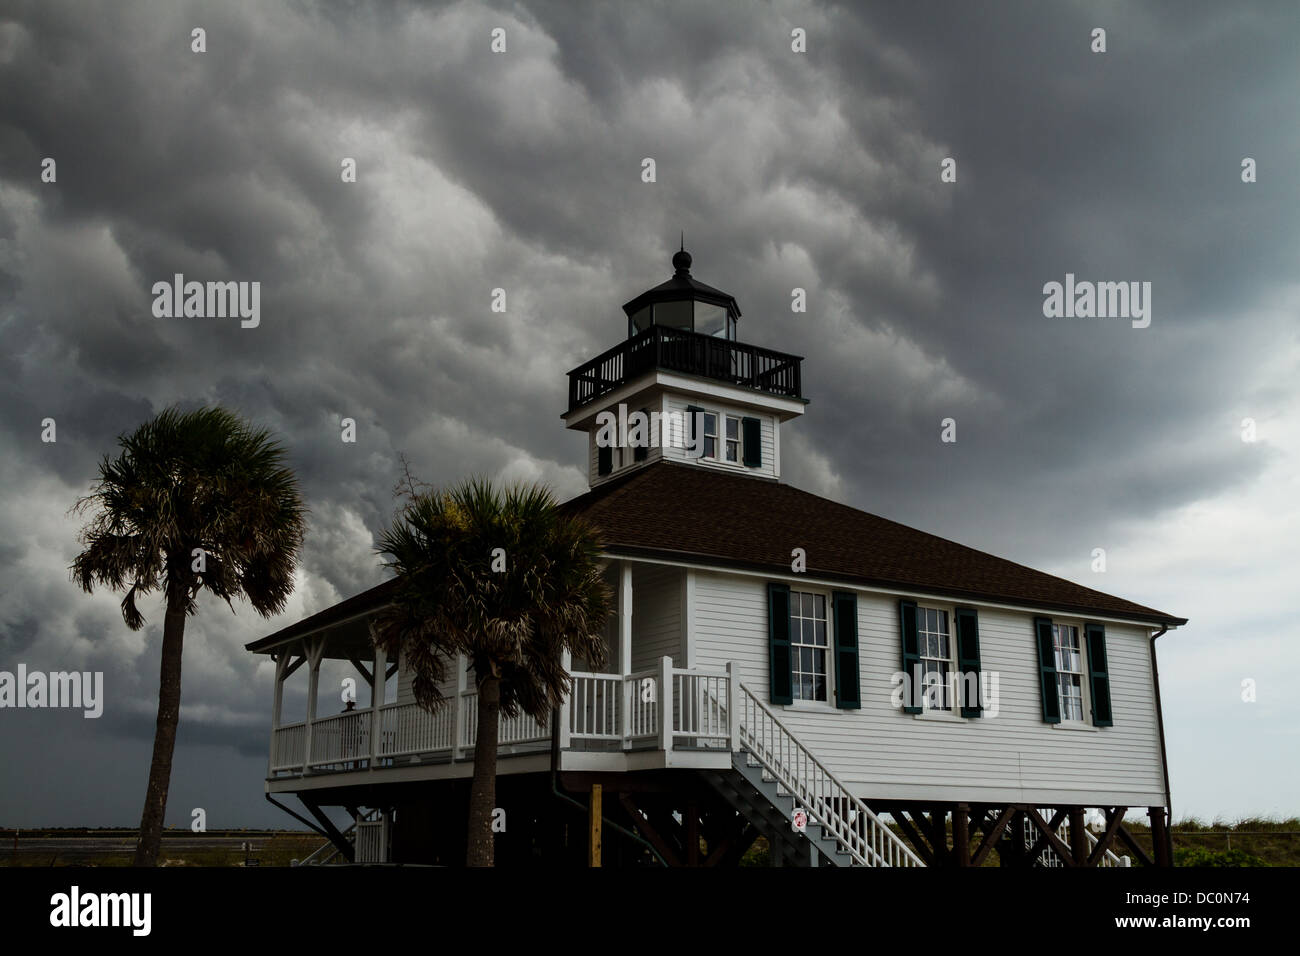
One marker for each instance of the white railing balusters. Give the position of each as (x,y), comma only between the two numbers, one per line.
(828,802)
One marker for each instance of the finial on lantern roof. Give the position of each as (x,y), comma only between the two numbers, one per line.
(682,258)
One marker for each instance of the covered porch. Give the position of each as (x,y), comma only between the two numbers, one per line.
(638,704)
(605,713)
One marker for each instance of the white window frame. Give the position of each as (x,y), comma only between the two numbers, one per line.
(1084,700)
(953,711)
(799,703)
(717,417)
(727,442)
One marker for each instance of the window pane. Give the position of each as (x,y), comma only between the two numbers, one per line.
(710,424)
(710,448)
(821,633)
(807,631)
(819,661)
(819,688)
(710,319)
(677,315)
(807,601)
(821,605)
(733,427)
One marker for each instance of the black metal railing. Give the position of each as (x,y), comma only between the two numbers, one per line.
(691,353)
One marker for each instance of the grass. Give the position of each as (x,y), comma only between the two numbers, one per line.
(116,847)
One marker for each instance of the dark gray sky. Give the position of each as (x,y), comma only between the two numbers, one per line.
(522,170)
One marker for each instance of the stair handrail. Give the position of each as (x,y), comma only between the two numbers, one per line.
(347,834)
(866,839)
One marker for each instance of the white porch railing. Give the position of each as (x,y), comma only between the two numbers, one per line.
(371,844)
(410,729)
(289,746)
(641,696)
(343,738)
(520,729)
(700,707)
(597,706)
(828,802)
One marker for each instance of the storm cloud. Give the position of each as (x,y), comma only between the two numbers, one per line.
(522,171)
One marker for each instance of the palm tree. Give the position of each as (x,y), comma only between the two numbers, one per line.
(197,499)
(512,612)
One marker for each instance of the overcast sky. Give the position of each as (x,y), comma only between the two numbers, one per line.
(522,170)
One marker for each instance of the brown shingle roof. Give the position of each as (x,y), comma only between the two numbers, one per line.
(714,517)
(711,517)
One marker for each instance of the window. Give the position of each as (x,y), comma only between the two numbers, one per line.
(710,435)
(733,439)
(1069,670)
(808,646)
(935,647)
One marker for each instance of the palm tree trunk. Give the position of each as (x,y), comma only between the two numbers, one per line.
(164,739)
(483,791)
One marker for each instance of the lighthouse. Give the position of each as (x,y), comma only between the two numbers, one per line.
(682,387)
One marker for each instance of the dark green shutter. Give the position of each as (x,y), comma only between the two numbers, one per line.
(1047,669)
(1098,675)
(691,438)
(845,605)
(641,452)
(604,460)
(778,641)
(752,439)
(911,657)
(968,662)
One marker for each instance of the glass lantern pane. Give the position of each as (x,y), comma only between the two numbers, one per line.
(674,315)
(710,319)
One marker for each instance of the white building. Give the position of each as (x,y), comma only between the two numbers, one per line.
(756,664)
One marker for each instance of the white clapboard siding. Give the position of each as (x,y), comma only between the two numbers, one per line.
(405,692)
(656,615)
(884,753)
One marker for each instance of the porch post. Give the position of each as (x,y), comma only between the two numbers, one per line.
(566,661)
(1078,837)
(1161,844)
(961,834)
(666,705)
(315,649)
(277,701)
(593,819)
(377,685)
(458,705)
(733,708)
(625,619)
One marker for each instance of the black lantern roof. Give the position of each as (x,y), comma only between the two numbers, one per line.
(681,289)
